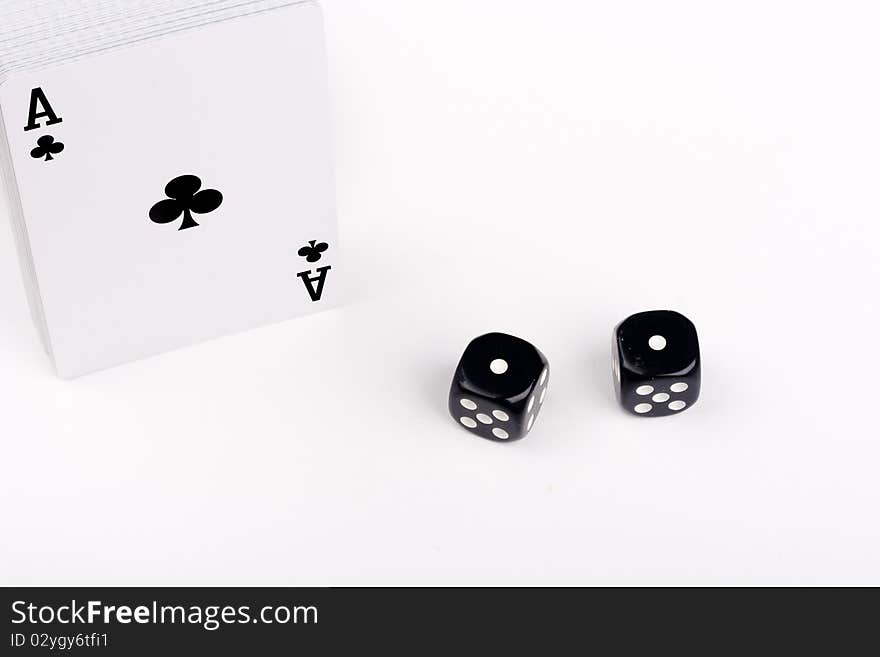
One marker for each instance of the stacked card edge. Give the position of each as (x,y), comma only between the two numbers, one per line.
(22,242)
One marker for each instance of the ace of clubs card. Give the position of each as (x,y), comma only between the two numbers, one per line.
(178,190)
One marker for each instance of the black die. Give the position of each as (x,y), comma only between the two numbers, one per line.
(499,387)
(656,363)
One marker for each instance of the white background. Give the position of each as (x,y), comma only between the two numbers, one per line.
(544,169)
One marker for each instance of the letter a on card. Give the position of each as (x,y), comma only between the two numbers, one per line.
(309,282)
(41,103)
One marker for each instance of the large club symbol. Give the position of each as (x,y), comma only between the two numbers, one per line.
(185,198)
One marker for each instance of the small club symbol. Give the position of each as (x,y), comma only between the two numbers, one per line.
(46,148)
(185,198)
(312,252)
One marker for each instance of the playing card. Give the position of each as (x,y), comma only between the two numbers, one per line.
(177,189)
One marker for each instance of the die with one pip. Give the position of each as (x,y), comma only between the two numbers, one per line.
(499,387)
(656,363)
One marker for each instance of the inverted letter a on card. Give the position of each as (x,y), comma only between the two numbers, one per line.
(309,281)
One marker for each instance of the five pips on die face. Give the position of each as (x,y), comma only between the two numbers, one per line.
(501,381)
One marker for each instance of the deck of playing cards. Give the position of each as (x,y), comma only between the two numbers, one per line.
(168,165)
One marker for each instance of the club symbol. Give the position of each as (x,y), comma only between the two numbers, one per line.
(312,252)
(46,148)
(185,198)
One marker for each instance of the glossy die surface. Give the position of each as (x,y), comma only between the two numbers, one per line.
(656,363)
(499,387)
